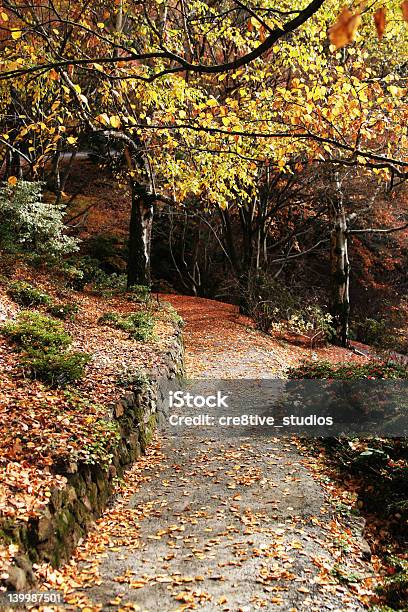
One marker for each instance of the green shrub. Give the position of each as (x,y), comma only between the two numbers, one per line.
(44,343)
(26,294)
(273,306)
(139,293)
(65,311)
(86,270)
(32,330)
(109,284)
(81,271)
(27,223)
(57,369)
(268,301)
(373,331)
(139,325)
(349,371)
(394,590)
(100,447)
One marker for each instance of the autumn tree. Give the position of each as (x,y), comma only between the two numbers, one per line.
(199,97)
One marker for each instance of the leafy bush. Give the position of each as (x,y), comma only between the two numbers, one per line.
(30,223)
(100,449)
(81,271)
(56,368)
(26,294)
(44,343)
(373,331)
(273,306)
(139,325)
(349,371)
(86,270)
(65,311)
(139,293)
(395,587)
(268,302)
(312,320)
(34,331)
(109,284)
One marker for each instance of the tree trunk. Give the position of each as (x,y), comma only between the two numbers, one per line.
(340,276)
(140,233)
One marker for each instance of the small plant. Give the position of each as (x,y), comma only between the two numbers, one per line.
(139,293)
(109,284)
(35,331)
(57,369)
(373,331)
(312,320)
(81,271)
(26,294)
(139,325)
(349,371)
(66,311)
(44,344)
(105,438)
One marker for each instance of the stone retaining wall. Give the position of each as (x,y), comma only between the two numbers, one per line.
(54,535)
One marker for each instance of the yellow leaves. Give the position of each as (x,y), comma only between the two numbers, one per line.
(103,118)
(100,25)
(394,90)
(12,181)
(182,114)
(98,67)
(343,31)
(71,140)
(4,16)
(404,9)
(16,34)
(115,121)
(379,20)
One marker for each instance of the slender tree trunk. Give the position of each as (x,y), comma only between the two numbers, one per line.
(340,275)
(140,234)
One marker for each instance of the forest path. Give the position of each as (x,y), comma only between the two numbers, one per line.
(221,522)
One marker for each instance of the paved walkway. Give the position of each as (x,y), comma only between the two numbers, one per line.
(220,522)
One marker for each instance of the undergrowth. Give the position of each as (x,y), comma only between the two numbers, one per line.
(44,347)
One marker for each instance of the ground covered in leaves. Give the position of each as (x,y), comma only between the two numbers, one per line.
(214,522)
(41,425)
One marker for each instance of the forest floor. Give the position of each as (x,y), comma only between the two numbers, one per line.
(215,522)
(42,426)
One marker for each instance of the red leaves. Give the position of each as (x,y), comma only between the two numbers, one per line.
(380,21)
(404,9)
(343,31)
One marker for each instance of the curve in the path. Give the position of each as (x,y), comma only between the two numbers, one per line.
(225,523)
